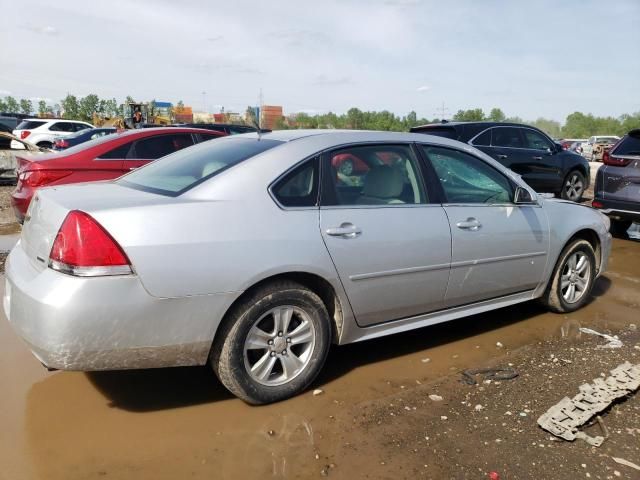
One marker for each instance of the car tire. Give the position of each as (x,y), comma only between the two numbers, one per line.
(256,354)
(45,144)
(568,275)
(573,186)
(619,227)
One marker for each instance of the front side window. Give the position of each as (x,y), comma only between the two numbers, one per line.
(374,175)
(152,148)
(299,188)
(483,140)
(507,137)
(467,179)
(62,127)
(535,140)
(183,170)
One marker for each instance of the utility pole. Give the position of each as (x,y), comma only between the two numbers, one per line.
(204,101)
(442,112)
(260,101)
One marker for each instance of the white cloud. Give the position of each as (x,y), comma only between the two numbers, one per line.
(423,88)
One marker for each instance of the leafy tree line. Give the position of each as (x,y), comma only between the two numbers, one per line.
(577,125)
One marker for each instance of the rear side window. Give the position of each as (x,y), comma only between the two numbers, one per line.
(78,127)
(300,187)
(629,145)
(117,153)
(177,173)
(508,137)
(29,125)
(483,140)
(155,147)
(62,127)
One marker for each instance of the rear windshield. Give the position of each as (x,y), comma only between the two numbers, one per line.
(176,173)
(629,145)
(446,132)
(29,125)
(606,139)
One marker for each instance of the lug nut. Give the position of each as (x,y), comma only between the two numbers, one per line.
(279,334)
(284,352)
(288,339)
(270,342)
(273,354)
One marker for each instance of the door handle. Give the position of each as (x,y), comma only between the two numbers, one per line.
(346,230)
(502,157)
(469,224)
(537,158)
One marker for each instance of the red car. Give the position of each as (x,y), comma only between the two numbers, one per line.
(105,158)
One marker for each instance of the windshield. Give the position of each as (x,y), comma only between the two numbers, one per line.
(607,139)
(176,173)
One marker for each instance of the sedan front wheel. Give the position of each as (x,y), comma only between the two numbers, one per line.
(272,345)
(573,278)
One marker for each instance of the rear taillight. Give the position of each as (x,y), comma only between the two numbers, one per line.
(60,143)
(597,204)
(612,160)
(83,248)
(39,178)
(24,134)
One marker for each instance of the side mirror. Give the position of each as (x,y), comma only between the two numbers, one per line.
(557,148)
(523,197)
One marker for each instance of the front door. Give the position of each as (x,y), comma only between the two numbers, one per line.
(390,246)
(497,247)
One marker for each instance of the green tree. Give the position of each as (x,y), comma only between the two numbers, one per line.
(550,127)
(3,105)
(87,106)
(471,115)
(111,108)
(26,106)
(12,105)
(70,107)
(496,115)
(42,108)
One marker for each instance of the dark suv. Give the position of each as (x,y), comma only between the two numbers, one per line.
(617,188)
(526,150)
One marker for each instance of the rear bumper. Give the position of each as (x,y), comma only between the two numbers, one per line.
(620,210)
(105,323)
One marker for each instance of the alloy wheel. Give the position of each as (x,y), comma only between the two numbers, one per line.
(574,187)
(575,277)
(279,345)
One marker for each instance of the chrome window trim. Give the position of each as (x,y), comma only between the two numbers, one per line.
(536,205)
(382,205)
(514,148)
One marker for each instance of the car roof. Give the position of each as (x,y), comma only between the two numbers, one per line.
(482,123)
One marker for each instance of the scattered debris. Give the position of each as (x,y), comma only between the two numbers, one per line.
(627,463)
(478,407)
(499,345)
(564,418)
(488,373)
(614,341)
(317,392)
(435,398)
(425,360)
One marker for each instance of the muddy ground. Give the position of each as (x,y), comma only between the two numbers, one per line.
(373,419)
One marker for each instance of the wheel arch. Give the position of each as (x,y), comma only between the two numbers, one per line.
(592,237)
(314,282)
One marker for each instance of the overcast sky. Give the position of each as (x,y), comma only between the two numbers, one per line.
(532,59)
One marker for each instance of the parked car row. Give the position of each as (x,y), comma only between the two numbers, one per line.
(254,253)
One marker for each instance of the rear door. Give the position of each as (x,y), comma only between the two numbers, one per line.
(497,248)
(151,148)
(390,244)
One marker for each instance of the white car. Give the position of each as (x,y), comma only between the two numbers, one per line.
(43,132)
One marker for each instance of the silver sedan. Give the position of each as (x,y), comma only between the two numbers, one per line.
(255,253)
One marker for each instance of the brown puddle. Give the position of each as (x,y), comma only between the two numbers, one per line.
(179,423)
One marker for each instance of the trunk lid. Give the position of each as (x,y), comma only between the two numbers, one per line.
(51,205)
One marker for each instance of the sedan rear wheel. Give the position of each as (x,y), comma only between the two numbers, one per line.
(272,345)
(573,187)
(570,286)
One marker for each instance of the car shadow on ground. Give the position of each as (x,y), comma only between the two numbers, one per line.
(166,388)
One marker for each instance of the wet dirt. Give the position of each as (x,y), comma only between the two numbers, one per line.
(181,423)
